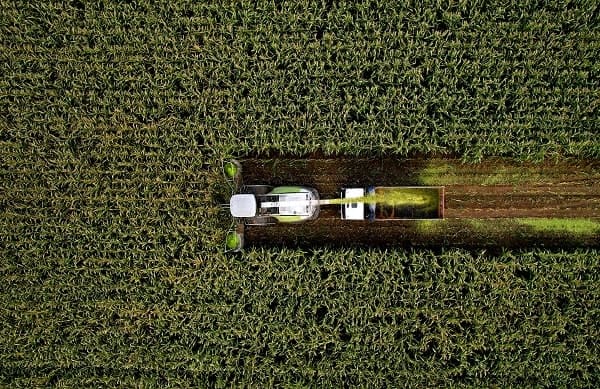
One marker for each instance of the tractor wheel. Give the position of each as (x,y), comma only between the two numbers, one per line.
(257,189)
(261,221)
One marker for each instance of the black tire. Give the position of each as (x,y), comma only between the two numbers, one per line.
(257,189)
(261,221)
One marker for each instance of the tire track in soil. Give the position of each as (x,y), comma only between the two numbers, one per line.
(566,189)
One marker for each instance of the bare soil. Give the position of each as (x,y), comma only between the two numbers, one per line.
(566,189)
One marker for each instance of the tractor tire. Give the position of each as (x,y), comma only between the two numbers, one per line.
(257,189)
(261,221)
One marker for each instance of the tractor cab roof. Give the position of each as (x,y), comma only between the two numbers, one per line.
(243,205)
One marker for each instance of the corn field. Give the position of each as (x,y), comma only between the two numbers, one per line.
(115,117)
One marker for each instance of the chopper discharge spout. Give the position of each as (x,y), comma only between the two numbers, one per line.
(295,203)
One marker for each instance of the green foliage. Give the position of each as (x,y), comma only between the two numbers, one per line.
(431,227)
(230,169)
(475,79)
(232,241)
(505,172)
(115,117)
(287,316)
(568,226)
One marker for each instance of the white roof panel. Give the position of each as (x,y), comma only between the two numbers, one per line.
(242,205)
(354,211)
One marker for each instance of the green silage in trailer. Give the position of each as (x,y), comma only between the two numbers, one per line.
(114,120)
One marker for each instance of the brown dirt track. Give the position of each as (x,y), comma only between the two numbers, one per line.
(496,189)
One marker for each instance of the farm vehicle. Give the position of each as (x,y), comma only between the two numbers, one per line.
(263,205)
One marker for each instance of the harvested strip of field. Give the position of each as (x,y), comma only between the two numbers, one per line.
(569,188)
(466,233)
(487,205)
(565,201)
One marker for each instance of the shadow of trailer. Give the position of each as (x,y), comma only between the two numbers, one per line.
(382,203)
